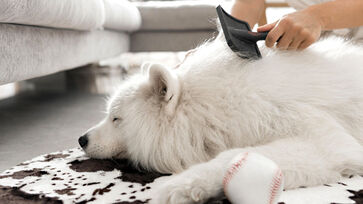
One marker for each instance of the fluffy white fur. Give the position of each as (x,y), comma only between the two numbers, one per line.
(303,110)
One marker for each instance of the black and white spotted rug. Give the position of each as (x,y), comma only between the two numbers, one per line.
(71,177)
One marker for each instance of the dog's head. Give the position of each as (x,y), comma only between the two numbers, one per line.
(139,116)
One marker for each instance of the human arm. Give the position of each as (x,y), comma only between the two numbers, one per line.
(300,29)
(248,10)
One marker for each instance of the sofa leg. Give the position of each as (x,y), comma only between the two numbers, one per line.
(81,78)
(94,78)
(77,79)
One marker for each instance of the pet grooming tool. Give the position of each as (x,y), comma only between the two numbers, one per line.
(239,36)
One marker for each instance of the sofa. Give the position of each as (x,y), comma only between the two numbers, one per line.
(174,25)
(41,37)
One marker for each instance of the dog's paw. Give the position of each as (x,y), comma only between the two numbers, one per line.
(182,190)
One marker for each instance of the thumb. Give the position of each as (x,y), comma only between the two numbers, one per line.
(266,27)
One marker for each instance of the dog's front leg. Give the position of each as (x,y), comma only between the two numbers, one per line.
(304,161)
(197,184)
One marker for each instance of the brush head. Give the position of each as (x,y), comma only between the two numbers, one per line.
(239,36)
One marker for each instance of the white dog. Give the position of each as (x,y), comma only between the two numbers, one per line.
(303,110)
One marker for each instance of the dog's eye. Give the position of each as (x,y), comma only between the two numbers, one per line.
(115,119)
(163,91)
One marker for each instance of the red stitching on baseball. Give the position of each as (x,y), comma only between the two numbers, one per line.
(232,170)
(276,183)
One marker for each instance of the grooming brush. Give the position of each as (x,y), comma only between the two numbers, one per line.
(239,36)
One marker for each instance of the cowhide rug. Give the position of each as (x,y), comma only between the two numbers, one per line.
(71,177)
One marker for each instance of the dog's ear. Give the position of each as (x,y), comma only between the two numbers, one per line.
(166,85)
(145,67)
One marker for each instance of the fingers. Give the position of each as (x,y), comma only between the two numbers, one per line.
(308,40)
(305,44)
(275,34)
(286,40)
(294,45)
(266,27)
(290,36)
(303,40)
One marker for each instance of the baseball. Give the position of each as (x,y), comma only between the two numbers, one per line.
(253,179)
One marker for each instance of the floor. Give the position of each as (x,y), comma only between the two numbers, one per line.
(34,123)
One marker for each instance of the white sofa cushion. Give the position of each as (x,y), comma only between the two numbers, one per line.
(121,15)
(73,14)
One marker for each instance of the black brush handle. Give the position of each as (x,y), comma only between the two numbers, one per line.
(248,35)
(258,36)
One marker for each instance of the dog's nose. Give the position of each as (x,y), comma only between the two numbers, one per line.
(83,141)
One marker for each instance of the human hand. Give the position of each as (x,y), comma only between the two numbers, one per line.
(295,31)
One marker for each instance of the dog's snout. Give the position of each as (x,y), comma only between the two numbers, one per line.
(83,141)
